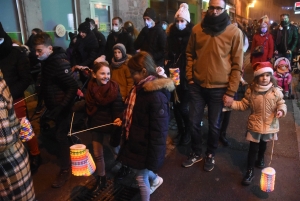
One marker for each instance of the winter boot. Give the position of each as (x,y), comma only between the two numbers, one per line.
(248,177)
(99,185)
(260,163)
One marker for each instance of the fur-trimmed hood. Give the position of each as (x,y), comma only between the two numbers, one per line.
(160,83)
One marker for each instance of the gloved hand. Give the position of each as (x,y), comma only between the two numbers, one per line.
(53,114)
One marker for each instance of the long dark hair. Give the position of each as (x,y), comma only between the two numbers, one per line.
(143,60)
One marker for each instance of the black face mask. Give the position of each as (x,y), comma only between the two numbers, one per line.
(284,23)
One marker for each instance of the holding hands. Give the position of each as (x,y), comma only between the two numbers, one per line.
(279,114)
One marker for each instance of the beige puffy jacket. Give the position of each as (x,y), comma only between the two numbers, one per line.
(264,107)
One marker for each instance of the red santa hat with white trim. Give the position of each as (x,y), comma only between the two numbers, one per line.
(262,67)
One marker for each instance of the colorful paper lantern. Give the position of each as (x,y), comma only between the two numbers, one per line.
(267,180)
(82,161)
(26,131)
(174,75)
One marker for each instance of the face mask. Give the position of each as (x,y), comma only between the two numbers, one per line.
(284,22)
(115,28)
(164,26)
(263,30)
(149,23)
(1,40)
(43,57)
(180,26)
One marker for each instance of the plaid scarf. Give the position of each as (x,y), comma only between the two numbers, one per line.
(130,102)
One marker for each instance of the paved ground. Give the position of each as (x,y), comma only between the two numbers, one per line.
(223,183)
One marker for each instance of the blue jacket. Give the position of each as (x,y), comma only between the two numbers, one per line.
(146,143)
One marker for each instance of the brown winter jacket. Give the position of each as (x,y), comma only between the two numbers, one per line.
(264,107)
(215,61)
(122,76)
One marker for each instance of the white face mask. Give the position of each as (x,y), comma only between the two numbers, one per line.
(180,25)
(164,26)
(149,23)
(115,28)
(1,40)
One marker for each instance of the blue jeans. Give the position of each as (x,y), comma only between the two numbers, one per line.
(213,98)
(144,177)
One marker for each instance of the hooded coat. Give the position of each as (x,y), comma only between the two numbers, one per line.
(153,41)
(146,143)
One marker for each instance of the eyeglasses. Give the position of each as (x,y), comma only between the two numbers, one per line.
(211,8)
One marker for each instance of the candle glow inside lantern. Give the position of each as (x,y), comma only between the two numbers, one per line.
(82,161)
(174,75)
(26,131)
(267,180)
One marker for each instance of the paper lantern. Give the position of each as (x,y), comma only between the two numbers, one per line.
(82,161)
(267,180)
(26,132)
(174,75)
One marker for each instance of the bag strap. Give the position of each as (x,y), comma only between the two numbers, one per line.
(178,58)
(265,40)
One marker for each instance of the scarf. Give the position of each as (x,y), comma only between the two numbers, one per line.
(118,63)
(216,24)
(130,102)
(100,95)
(260,88)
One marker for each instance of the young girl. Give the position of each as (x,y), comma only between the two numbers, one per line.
(120,71)
(266,102)
(103,105)
(146,120)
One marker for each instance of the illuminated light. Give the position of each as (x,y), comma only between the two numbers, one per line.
(271,21)
(98,5)
(251,5)
(267,179)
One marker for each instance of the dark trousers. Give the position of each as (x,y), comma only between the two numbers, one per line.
(225,116)
(62,125)
(199,97)
(181,111)
(254,149)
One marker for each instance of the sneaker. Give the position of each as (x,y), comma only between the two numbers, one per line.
(193,158)
(156,183)
(61,178)
(123,172)
(209,163)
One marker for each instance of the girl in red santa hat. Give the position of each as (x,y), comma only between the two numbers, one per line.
(267,105)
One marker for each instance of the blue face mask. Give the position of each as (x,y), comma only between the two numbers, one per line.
(164,26)
(149,24)
(43,57)
(264,30)
(180,26)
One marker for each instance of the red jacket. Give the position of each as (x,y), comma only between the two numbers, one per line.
(268,47)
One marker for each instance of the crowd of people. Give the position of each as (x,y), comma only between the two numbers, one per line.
(129,79)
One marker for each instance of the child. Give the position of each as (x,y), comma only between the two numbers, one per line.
(266,102)
(120,71)
(103,105)
(283,75)
(146,120)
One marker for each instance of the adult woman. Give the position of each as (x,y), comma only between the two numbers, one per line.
(146,120)
(264,39)
(178,35)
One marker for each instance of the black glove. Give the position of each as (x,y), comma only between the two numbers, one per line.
(53,114)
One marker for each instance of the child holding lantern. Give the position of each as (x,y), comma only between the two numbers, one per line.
(266,102)
(103,105)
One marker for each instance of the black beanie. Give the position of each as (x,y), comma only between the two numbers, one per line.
(72,35)
(2,32)
(85,26)
(150,13)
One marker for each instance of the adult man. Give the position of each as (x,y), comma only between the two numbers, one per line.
(58,89)
(118,35)
(214,63)
(152,38)
(100,37)
(285,37)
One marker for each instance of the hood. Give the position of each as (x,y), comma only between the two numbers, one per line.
(158,84)
(58,53)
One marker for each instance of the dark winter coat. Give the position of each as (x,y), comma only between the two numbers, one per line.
(101,41)
(85,51)
(16,71)
(153,41)
(121,37)
(282,44)
(146,143)
(58,87)
(177,41)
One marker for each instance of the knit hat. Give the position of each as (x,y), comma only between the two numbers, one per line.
(150,13)
(2,32)
(120,47)
(72,35)
(183,12)
(282,61)
(262,67)
(85,26)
